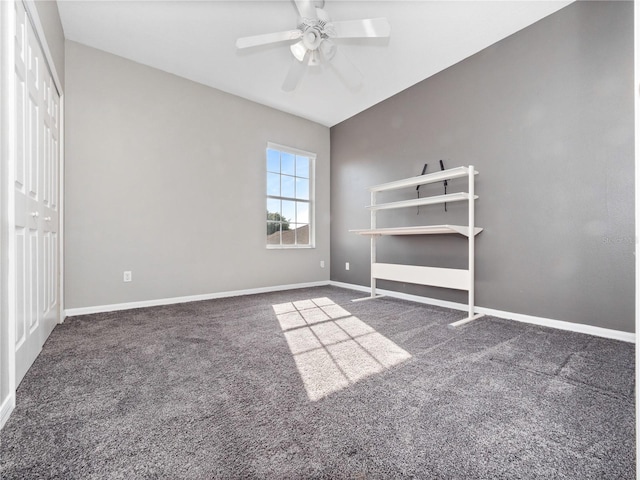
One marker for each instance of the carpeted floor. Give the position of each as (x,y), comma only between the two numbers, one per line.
(260,387)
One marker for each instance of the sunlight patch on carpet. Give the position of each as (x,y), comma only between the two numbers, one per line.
(332,348)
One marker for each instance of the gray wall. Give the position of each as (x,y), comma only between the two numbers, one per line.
(166,177)
(546,116)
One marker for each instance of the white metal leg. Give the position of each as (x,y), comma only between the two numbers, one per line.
(472,252)
(373,245)
(367,298)
(466,320)
(472,240)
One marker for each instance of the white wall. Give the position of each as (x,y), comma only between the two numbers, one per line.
(166,177)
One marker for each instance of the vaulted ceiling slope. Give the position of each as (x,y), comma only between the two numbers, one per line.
(196,40)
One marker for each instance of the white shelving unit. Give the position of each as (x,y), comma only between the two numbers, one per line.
(459,279)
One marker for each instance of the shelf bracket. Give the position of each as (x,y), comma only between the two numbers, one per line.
(445,183)
(424,170)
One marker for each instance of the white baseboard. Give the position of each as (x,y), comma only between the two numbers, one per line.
(518,317)
(7,407)
(72,312)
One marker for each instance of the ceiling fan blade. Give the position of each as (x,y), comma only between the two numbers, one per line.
(345,69)
(306,8)
(296,71)
(323,15)
(267,38)
(368,28)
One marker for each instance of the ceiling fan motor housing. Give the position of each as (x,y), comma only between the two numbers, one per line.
(312,38)
(314,32)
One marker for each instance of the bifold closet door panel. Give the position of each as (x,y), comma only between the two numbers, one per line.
(36,196)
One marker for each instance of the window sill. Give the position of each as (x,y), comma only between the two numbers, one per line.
(290,247)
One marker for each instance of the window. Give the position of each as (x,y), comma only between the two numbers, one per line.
(289,197)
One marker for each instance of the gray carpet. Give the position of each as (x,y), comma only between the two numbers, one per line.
(229,389)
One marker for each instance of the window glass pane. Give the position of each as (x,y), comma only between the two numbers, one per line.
(288,163)
(273,207)
(302,166)
(273,184)
(302,188)
(302,234)
(289,210)
(288,186)
(273,161)
(302,212)
(273,233)
(273,227)
(289,236)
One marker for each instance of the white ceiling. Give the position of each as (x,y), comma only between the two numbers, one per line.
(196,40)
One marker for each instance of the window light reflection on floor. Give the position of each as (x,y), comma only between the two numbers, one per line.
(332,348)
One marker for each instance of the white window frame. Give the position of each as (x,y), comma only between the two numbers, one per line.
(312,193)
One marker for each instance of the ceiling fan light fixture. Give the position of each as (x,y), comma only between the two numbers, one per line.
(328,50)
(298,50)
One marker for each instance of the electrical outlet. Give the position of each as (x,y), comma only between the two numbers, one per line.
(321,263)
(346,266)
(127,276)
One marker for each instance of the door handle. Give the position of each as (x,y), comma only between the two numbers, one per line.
(35,214)
(47,219)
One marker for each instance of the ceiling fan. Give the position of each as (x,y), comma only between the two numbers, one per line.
(315,34)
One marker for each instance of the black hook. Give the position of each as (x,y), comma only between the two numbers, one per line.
(424,170)
(445,184)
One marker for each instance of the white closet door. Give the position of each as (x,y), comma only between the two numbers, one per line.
(36,196)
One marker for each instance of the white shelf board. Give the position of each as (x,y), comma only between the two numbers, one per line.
(417,202)
(440,176)
(434,276)
(420,230)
